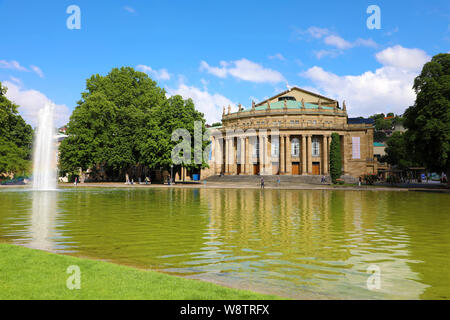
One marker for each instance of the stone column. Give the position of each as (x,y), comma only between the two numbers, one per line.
(268,154)
(288,155)
(309,148)
(282,155)
(304,155)
(262,158)
(325,154)
(344,144)
(242,158)
(247,156)
(227,155)
(234,156)
(217,156)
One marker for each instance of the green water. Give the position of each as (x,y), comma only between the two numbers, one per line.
(295,243)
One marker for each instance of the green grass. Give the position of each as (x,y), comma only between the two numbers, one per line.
(33,274)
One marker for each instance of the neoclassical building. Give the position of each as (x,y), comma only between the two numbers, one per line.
(290,134)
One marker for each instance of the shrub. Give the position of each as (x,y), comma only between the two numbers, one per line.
(335,158)
(370,178)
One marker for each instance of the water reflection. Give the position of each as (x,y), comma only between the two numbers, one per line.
(43,215)
(301,244)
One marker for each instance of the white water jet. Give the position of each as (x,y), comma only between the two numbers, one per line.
(44,160)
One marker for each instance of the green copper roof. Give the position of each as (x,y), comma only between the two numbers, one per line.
(378,144)
(290,105)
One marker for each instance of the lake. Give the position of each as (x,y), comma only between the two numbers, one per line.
(304,244)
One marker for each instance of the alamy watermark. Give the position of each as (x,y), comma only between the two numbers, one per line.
(74,20)
(374,20)
(374,280)
(74,280)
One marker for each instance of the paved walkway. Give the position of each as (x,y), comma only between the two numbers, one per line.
(252,185)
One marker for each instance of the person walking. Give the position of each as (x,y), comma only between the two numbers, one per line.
(359,181)
(262,182)
(278,180)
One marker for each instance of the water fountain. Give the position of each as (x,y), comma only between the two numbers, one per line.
(44,160)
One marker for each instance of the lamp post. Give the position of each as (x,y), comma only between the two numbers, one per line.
(171,173)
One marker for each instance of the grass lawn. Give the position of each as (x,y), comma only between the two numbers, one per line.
(33,274)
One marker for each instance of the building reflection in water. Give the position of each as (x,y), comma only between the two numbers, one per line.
(322,241)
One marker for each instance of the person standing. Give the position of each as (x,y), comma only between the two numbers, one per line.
(262,182)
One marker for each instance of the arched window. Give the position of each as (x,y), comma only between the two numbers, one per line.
(315,147)
(295,145)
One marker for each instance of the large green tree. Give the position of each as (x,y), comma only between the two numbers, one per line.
(335,157)
(107,125)
(15,138)
(125,121)
(157,145)
(428,120)
(397,151)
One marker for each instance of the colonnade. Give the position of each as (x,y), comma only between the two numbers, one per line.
(253,154)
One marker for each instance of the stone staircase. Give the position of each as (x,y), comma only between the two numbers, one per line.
(269,180)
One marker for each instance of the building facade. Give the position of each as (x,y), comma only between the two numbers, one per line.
(290,134)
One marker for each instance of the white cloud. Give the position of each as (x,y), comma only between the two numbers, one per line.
(211,105)
(37,70)
(12,65)
(338,42)
(387,89)
(243,70)
(403,58)
(327,53)
(161,74)
(129,9)
(332,39)
(16,80)
(277,56)
(31,101)
(316,32)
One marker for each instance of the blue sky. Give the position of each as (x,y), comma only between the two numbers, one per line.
(222,52)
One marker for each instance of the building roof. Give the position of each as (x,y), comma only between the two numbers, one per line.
(378,144)
(291,104)
(295,88)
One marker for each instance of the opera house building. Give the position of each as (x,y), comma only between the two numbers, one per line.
(290,134)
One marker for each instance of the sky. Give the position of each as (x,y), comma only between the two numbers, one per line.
(222,53)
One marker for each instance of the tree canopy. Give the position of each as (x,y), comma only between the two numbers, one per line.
(428,120)
(124,120)
(15,137)
(397,151)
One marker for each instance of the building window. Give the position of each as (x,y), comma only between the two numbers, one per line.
(275,145)
(315,147)
(295,146)
(255,147)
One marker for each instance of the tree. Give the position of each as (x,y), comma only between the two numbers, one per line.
(335,157)
(125,122)
(107,125)
(15,137)
(379,136)
(175,113)
(428,120)
(397,151)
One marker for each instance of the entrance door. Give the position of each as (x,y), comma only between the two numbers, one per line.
(295,168)
(238,169)
(256,169)
(316,168)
